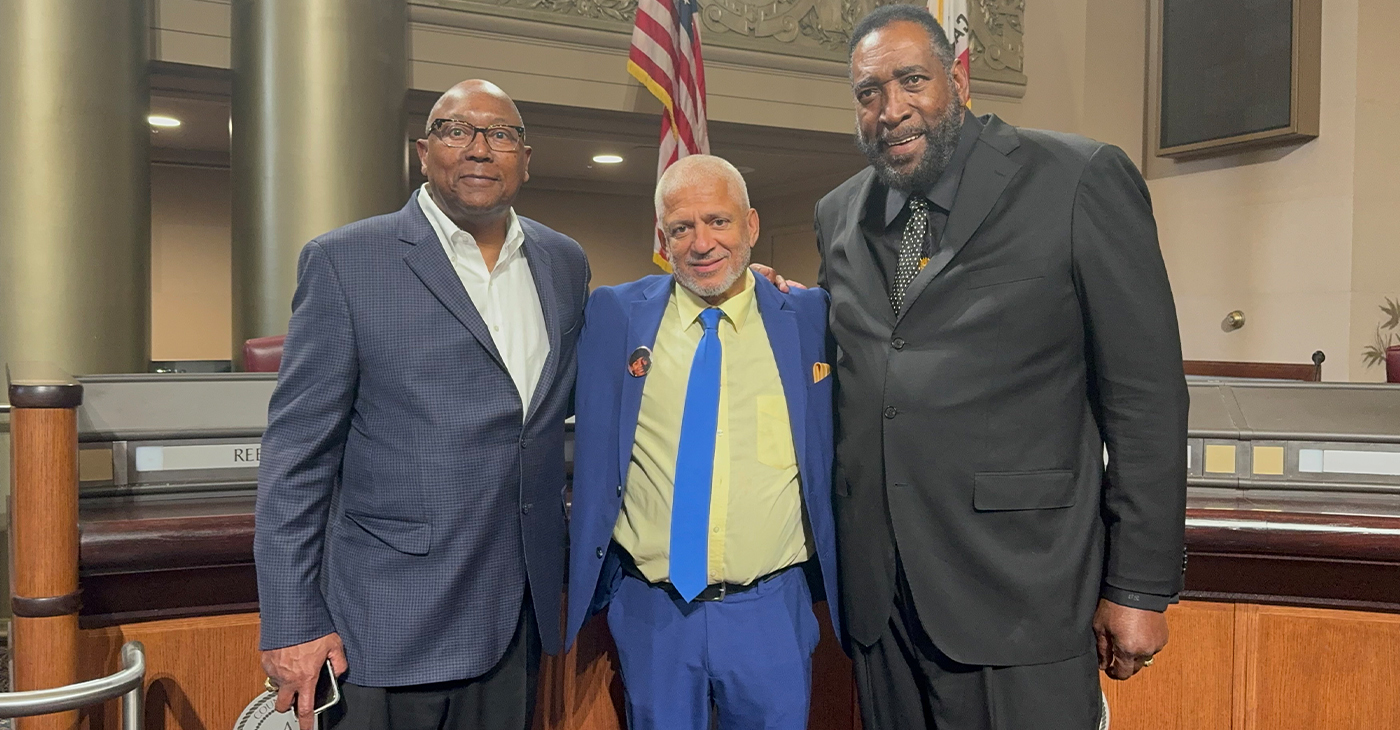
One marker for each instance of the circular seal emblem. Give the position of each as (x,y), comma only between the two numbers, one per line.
(262,714)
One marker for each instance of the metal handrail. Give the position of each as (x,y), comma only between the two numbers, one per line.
(127,684)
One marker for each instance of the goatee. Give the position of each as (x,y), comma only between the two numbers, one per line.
(939,144)
(688,280)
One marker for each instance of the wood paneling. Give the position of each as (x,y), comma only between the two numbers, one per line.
(1252,667)
(1189,685)
(582,690)
(834,705)
(200,672)
(1316,668)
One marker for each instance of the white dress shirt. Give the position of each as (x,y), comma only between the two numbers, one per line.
(505,296)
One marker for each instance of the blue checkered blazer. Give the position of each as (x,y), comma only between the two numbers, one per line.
(401,502)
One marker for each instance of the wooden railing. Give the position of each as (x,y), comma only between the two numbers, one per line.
(44,533)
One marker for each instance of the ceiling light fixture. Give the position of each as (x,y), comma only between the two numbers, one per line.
(607,159)
(159,120)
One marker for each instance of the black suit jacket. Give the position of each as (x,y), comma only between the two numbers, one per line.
(972,427)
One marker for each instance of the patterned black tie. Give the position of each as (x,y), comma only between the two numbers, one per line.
(911,250)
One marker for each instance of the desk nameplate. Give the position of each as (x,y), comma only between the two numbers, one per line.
(197,457)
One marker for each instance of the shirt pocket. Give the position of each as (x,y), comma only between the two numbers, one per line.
(774,433)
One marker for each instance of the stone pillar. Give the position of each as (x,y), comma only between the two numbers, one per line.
(75,198)
(318,137)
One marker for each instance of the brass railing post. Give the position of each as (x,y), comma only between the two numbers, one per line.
(44,533)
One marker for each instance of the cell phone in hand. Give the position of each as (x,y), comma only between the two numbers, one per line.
(327,689)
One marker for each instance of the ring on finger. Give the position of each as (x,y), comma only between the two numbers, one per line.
(269,685)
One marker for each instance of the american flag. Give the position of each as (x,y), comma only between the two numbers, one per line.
(952,14)
(665,57)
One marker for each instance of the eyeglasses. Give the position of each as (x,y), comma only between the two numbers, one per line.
(499,137)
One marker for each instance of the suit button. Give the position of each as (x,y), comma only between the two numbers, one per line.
(891,412)
(897,343)
(619,490)
(525,509)
(600,552)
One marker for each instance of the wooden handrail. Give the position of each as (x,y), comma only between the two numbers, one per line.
(44,533)
(1266,370)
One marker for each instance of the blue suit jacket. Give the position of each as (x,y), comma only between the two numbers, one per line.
(622,318)
(401,502)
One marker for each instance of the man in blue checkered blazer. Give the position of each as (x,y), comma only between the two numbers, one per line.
(410,513)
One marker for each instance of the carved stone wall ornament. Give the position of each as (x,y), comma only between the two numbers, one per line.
(815,29)
(997,50)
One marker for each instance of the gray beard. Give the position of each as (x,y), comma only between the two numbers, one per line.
(940,143)
(715,290)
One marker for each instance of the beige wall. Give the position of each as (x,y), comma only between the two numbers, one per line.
(191,284)
(614,230)
(1270,232)
(1300,238)
(1375,249)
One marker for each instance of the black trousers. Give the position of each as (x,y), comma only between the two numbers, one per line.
(501,699)
(905,682)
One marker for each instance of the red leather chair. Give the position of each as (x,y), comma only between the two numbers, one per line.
(263,354)
(1392,364)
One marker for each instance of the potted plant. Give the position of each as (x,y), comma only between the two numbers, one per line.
(1386,347)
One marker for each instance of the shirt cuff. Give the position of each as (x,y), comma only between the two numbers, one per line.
(1134,599)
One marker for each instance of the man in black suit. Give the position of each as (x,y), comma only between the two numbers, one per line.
(1002,314)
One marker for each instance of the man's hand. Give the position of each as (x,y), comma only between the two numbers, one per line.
(768,273)
(294,669)
(1127,637)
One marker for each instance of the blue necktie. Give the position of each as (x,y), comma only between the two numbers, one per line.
(695,465)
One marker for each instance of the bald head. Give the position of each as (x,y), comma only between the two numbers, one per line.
(473,92)
(702,205)
(689,172)
(471,181)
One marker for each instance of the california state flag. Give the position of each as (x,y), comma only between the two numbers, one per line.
(952,14)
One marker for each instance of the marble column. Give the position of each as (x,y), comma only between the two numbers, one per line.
(318,137)
(75,199)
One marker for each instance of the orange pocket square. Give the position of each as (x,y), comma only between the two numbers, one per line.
(819,371)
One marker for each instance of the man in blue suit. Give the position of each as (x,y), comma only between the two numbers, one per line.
(702,471)
(410,514)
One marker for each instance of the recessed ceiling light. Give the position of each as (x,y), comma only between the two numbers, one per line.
(159,120)
(607,159)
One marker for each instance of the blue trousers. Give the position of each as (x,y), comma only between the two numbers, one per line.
(750,655)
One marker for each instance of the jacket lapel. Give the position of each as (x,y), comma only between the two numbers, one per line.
(780,321)
(850,245)
(543,274)
(643,321)
(985,177)
(429,262)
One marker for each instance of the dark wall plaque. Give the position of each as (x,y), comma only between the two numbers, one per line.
(1234,74)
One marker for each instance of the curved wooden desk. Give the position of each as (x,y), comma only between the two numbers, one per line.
(1290,619)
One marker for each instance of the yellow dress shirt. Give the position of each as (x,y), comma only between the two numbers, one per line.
(757,523)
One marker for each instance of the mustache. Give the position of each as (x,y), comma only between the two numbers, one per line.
(704,259)
(885,139)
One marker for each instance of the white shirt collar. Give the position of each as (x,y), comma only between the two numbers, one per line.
(451,235)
